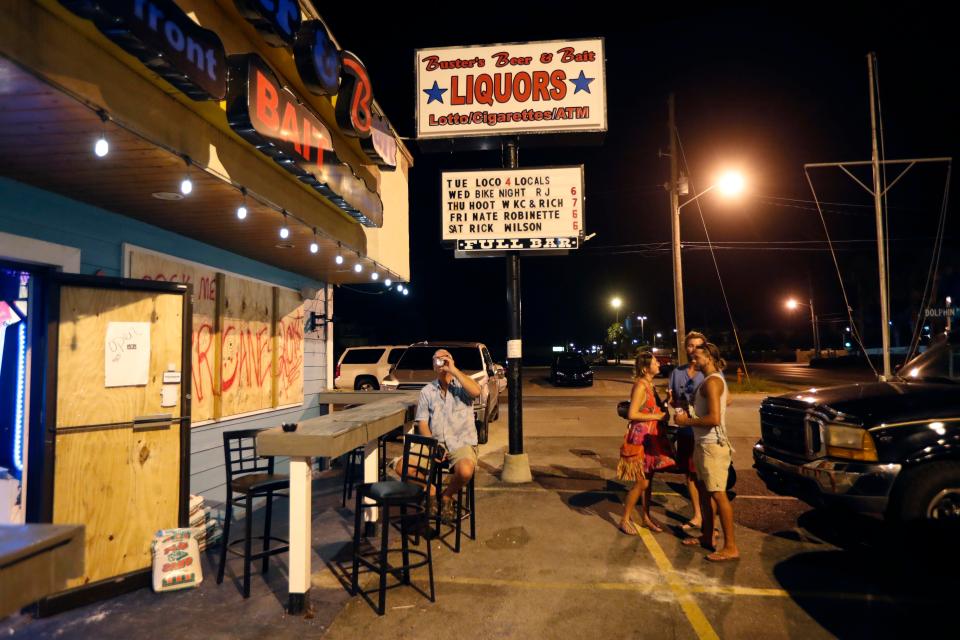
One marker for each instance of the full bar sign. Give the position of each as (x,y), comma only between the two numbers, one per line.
(513,209)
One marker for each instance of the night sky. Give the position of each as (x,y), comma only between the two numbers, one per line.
(758,91)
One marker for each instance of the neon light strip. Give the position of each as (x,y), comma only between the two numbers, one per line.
(21,392)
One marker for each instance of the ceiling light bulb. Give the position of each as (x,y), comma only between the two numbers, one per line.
(102,147)
(186,187)
(284,232)
(358,267)
(406,291)
(339,259)
(242,212)
(374,276)
(314,247)
(388,282)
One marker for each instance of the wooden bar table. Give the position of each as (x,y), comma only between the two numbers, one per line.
(36,560)
(331,436)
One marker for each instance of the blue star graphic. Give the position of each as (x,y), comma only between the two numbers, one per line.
(581,83)
(435,93)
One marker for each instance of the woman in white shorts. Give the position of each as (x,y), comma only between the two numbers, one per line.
(712,452)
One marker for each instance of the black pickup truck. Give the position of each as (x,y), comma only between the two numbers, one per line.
(888,449)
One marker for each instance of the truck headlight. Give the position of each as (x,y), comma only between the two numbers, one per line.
(851,443)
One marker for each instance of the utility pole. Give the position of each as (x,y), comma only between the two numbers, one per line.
(675,228)
(881,240)
(816,331)
(516,464)
(878,195)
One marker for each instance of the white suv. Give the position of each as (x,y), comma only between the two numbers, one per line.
(363,368)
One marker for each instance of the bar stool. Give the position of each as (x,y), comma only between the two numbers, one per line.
(353,466)
(252,477)
(464,508)
(420,460)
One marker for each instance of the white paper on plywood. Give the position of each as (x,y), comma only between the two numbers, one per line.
(126,355)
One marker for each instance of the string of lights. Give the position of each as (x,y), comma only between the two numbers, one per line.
(101,149)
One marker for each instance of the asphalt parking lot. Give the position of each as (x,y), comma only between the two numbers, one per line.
(549,561)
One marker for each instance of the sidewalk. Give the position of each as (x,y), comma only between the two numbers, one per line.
(549,561)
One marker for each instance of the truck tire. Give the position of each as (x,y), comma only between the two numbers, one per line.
(481,431)
(929,493)
(366,383)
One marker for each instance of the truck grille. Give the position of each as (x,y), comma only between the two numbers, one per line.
(791,428)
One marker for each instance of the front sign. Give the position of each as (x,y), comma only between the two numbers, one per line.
(269,117)
(164,39)
(539,87)
(513,209)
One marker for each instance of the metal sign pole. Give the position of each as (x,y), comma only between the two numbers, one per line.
(516,464)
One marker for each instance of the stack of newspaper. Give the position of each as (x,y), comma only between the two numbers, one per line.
(204,529)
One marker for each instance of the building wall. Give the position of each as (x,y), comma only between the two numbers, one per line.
(99,235)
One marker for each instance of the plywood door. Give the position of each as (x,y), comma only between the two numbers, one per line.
(122,484)
(149,266)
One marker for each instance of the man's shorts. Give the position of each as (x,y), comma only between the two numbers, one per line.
(469,452)
(713,464)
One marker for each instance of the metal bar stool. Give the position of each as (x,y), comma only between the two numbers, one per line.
(353,467)
(420,460)
(252,477)
(465,508)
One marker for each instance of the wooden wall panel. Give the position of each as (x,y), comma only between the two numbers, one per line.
(149,266)
(290,343)
(82,398)
(123,485)
(247,351)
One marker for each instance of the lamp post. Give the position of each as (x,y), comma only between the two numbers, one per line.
(792,304)
(642,319)
(730,184)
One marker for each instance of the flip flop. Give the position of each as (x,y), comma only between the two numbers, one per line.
(632,532)
(693,541)
(689,526)
(721,557)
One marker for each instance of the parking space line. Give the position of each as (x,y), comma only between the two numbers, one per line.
(701,626)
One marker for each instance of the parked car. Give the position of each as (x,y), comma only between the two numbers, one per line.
(415,370)
(364,368)
(888,449)
(572,369)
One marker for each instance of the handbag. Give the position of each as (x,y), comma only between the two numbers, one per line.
(622,408)
(731,477)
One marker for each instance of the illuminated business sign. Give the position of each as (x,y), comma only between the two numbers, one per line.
(165,39)
(277,21)
(509,89)
(513,209)
(271,118)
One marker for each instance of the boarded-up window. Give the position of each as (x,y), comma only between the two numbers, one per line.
(259,362)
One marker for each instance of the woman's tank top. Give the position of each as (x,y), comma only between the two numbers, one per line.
(716,434)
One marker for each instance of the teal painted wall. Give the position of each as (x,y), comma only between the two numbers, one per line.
(100,234)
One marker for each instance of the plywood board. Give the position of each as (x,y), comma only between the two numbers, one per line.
(289,331)
(122,485)
(149,266)
(85,313)
(247,349)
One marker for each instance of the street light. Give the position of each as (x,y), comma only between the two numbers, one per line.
(642,319)
(792,304)
(730,184)
(616,303)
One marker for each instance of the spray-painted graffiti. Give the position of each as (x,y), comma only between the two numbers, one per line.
(206,289)
(247,355)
